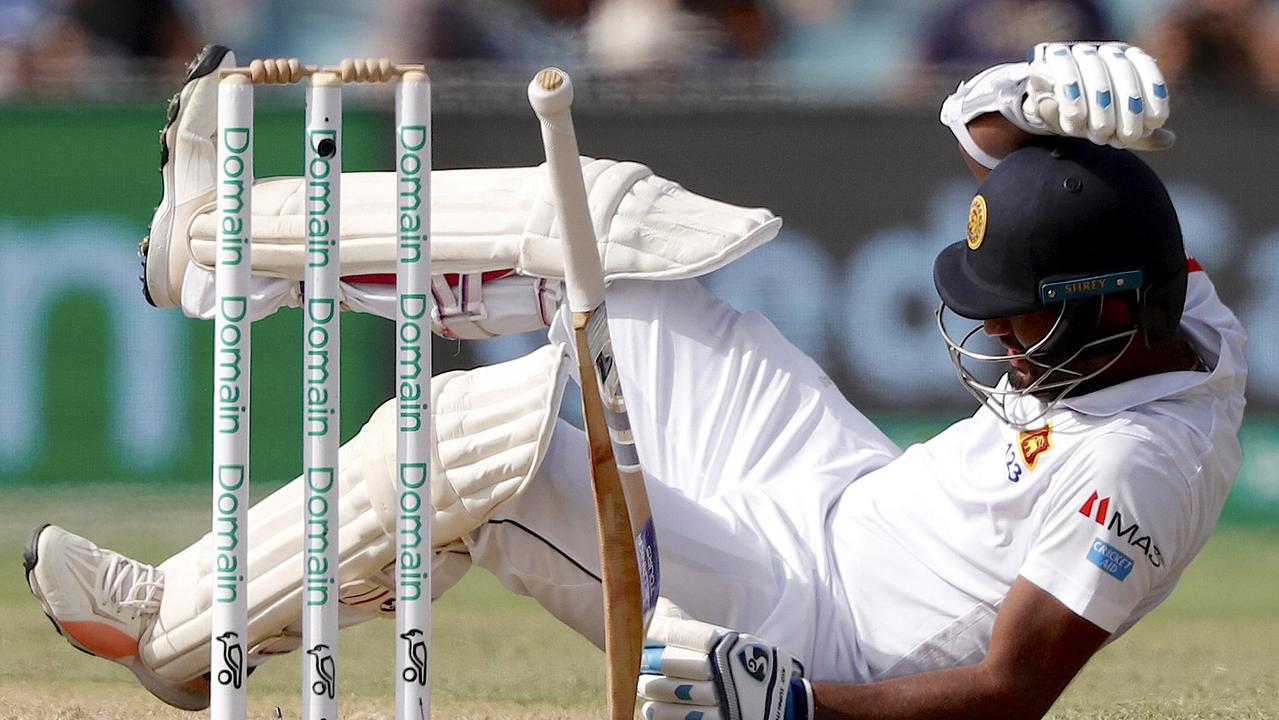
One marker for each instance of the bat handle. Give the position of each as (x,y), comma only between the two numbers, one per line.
(551,95)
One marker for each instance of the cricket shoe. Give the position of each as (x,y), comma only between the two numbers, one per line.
(103,603)
(188,162)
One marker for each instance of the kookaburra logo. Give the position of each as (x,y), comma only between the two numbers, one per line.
(755,659)
(233,658)
(325,684)
(417,656)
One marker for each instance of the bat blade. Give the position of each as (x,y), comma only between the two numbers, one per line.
(620,572)
(625,456)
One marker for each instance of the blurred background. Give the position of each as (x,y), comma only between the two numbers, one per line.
(822,110)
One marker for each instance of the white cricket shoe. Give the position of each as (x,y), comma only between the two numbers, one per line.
(103,602)
(188,167)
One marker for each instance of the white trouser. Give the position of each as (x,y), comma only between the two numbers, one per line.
(746,444)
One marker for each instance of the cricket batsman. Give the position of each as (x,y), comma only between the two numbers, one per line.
(811,568)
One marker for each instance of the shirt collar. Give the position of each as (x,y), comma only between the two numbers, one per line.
(1139,391)
(1211,329)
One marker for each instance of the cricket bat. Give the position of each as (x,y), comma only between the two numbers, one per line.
(628,544)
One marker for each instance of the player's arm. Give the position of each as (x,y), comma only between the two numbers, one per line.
(1036,648)
(693,669)
(998,137)
(1110,93)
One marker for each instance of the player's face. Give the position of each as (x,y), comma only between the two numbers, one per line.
(1018,333)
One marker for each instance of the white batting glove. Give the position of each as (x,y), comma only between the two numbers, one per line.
(697,671)
(1112,94)
(1109,93)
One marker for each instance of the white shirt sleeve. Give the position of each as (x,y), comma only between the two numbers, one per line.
(1111,528)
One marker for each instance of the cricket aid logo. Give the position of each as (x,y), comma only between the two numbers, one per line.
(1099,509)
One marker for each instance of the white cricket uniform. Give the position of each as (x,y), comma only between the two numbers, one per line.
(782,511)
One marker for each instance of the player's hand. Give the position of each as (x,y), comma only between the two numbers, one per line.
(697,671)
(1110,93)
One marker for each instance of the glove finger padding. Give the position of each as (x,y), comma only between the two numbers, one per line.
(676,662)
(1130,113)
(665,711)
(1097,92)
(662,688)
(1057,75)
(1153,87)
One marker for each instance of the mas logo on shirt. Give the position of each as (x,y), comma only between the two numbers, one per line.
(1034,443)
(1098,509)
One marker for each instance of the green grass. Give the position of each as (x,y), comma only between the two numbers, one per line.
(1209,652)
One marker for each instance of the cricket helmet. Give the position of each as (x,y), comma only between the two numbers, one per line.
(1065,226)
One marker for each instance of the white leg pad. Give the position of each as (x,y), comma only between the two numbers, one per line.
(492,428)
(495,246)
(504,219)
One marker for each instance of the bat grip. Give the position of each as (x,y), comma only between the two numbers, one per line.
(583,275)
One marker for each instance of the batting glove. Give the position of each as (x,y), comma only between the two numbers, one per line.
(697,671)
(1110,93)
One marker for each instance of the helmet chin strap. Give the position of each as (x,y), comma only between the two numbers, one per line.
(1056,381)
